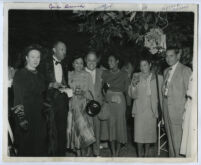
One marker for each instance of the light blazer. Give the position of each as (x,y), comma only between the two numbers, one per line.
(98,86)
(137,94)
(177,92)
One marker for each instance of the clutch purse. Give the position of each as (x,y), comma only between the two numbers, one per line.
(93,107)
(105,112)
(20,115)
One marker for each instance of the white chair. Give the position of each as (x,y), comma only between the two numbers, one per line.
(11,149)
(162,139)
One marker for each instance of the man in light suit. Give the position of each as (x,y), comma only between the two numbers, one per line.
(91,61)
(176,78)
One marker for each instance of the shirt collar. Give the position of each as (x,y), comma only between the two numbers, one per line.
(55,59)
(90,71)
(174,66)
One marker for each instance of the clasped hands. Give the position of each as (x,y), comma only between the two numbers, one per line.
(55,85)
(116,99)
(134,82)
(78,91)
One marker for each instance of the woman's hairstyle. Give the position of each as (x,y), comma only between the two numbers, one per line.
(116,56)
(145,56)
(21,62)
(76,56)
(32,47)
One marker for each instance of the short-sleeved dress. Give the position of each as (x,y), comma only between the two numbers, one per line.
(187,125)
(115,97)
(28,91)
(81,134)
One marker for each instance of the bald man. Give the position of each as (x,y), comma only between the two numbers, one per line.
(55,72)
(91,62)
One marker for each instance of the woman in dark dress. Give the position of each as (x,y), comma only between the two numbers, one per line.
(30,131)
(118,82)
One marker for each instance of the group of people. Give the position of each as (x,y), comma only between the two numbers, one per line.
(170,91)
(49,108)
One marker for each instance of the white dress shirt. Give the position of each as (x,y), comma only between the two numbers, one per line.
(172,72)
(169,78)
(57,70)
(92,73)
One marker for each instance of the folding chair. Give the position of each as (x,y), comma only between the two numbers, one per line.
(162,140)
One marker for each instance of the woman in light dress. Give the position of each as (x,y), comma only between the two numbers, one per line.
(143,90)
(187,126)
(80,133)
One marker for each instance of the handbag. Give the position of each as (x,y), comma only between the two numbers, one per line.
(93,107)
(18,111)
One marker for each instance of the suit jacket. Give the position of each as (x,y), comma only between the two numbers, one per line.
(177,92)
(138,104)
(46,67)
(98,86)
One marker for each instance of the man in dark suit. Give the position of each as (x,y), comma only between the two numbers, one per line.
(55,72)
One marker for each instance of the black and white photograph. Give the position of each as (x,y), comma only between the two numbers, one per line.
(100,81)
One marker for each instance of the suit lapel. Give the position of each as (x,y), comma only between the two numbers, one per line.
(64,77)
(50,69)
(51,73)
(96,80)
(176,72)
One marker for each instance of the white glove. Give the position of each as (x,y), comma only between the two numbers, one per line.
(68,91)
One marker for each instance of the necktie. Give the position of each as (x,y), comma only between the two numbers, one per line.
(58,72)
(57,62)
(168,76)
(167,81)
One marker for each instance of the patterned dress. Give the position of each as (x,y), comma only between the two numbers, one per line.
(81,134)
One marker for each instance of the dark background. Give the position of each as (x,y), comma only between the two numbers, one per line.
(44,27)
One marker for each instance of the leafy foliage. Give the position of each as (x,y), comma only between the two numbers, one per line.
(122,27)
(117,30)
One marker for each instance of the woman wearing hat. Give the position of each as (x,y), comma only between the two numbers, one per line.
(117,81)
(80,133)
